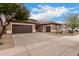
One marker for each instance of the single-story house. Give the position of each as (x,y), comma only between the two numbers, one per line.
(16,27)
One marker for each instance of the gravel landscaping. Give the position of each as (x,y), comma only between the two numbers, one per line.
(6,42)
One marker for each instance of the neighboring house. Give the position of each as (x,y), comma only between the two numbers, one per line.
(53,27)
(49,27)
(66,28)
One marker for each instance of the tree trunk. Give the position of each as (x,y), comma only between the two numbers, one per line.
(72,29)
(4,26)
(3,30)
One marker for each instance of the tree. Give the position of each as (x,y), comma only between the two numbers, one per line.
(72,22)
(10,11)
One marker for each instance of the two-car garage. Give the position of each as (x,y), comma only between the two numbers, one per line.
(23,28)
(30,27)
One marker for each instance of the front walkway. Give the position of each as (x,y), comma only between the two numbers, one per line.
(42,44)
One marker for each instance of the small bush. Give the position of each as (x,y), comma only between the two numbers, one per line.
(70,31)
(60,32)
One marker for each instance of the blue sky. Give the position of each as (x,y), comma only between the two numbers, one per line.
(51,11)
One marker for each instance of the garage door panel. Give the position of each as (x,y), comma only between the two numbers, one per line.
(21,29)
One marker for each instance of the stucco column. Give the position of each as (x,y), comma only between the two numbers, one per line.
(44,28)
(34,28)
(9,28)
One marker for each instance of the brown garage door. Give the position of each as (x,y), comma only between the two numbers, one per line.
(48,29)
(21,29)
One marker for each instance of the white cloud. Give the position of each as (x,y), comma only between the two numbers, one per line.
(46,12)
(35,9)
(62,22)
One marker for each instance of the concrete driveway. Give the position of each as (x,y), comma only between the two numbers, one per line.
(30,38)
(43,44)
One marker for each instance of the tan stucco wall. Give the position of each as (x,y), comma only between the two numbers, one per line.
(9,28)
(34,28)
(54,27)
(44,28)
